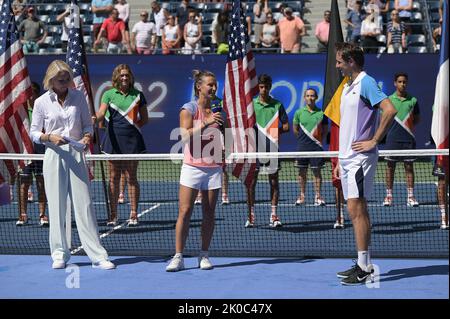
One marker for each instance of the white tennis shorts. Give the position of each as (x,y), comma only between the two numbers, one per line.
(357,175)
(201,178)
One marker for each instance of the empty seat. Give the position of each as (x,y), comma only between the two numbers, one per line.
(433,6)
(44,18)
(416,40)
(209,17)
(434,16)
(416,6)
(416,17)
(422,49)
(213,7)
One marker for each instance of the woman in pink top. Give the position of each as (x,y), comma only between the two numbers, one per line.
(201,130)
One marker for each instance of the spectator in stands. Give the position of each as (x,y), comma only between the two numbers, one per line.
(33,168)
(201,170)
(384,9)
(143,35)
(19,10)
(182,15)
(101,10)
(270,36)
(127,108)
(436,38)
(370,29)
(34,32)
(220,29)
(292,29)
(193,34)
(373,5)
(64,19)
(115,33)
(171,36)
(124,13)
(159,16)
(272,121)
(354,20)
(404,8)
(322,31)
(310,127)
(62,112)
(260,10)
(400,136)
(350,4)
(396,34)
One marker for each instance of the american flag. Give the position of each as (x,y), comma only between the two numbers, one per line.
(15,90)
(241,85)
(76,59)
(76,55)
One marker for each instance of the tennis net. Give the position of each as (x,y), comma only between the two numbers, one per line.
(308,228)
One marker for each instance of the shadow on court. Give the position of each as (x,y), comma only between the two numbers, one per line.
(266,261)
(404,273)
(128,261)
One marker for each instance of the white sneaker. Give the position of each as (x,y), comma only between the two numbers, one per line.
(387,201)
(176,264)
(104,264)
(275,221)
(250,221)
(58,264)
(412,202)
(318,201)
(198,201)
(338,225)
(204,263)
(444,223)
(225,200)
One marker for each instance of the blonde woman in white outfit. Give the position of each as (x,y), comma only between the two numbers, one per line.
(201,130)
(193,34)
(63,113)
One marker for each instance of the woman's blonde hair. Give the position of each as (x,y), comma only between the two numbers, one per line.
(53,70)
(116,76)
(198,78)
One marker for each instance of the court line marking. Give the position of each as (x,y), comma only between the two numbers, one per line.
(109,232)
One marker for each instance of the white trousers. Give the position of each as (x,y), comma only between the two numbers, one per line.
(66,176)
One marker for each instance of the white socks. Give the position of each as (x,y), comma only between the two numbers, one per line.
(364,259)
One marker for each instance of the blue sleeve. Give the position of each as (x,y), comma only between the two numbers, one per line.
(371,92)
(416,110)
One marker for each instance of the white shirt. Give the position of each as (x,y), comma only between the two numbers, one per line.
(359,114)
(124,11)
(72,119)
(144,32)
(160,21)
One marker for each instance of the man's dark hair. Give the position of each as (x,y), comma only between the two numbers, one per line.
(311,89)
(351,51)
(399,74)
(265,79)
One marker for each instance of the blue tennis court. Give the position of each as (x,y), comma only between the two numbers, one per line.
(232,278)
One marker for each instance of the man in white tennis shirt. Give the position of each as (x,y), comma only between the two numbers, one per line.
(361,128)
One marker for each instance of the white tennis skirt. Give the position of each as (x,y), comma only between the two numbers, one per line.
(201,178)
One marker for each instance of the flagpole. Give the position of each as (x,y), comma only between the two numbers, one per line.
(96,133)
(97,142)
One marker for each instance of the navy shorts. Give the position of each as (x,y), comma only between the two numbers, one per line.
(394,145)
(316,162)
(34,168)
(304,162)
